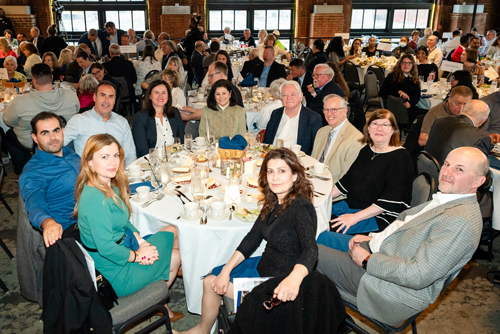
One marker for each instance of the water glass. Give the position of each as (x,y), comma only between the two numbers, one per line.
(165,173)
(156,178)
(421,78)
(154,158)
(197,188)
(280,143)
(176,146)
(474,79)
(188,142)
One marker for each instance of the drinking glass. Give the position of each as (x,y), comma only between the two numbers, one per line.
(165,173)
(154,157)
(156,178)
(421,78)
(474,79)
(188,142)
(233,190)
(176,146)
(197,188)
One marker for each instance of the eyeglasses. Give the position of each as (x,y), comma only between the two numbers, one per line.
(331,111)
(211,75)
(382,125)
(406,63)
(94,73)
(268,305)
(317,75)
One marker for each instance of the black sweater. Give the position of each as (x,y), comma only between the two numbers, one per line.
(291,239)
(407,85)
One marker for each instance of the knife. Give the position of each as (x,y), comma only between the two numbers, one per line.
(182,194)
(320,177)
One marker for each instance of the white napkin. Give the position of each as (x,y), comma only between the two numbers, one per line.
(491,73)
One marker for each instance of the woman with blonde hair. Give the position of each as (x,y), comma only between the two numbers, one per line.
(6,49)
(262,36)
(172,78)
(103,210)
(88,85)
(32,58)
(10,63)
(50,59)
(175,63)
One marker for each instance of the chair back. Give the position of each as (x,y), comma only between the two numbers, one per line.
(427,163)
(351,73)
(371,85)
(448,57)
(422,189)
(123,87)
(396,106)
(150,74)
(356,114)
(379,72)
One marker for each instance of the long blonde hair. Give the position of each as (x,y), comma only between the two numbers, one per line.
(5,45)
(88,175)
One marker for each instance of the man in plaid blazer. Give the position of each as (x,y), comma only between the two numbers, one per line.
(398,272)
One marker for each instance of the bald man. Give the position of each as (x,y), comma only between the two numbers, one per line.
(197,61)
(396,273)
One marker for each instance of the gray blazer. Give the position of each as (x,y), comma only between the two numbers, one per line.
(408,273)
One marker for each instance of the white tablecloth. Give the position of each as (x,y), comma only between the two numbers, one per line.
(204,247)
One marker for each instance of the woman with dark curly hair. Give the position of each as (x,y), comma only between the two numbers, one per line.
(335,51)
(463,78)
(287,222)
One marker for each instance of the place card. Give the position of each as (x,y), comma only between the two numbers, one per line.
(343,35)
(3,74)
(384,46)
(448,35)
(451,66)
(128,48)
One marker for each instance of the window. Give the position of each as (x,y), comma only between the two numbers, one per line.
(272,19)
(410,18)
(369,19)
(234,19)
(126,19)
(79,20)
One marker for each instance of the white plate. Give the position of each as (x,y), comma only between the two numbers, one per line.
(217,185)
(246,220)
(197,217)
(136,199)
(224,216)
(170,191)
(140,176)
(212,199)
(243,190)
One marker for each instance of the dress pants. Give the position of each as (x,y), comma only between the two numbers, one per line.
(18,152)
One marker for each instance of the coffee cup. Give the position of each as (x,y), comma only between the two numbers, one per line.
(191,209)
(201,90)
(135,170)
(200,141)
(143,192)
(295,148)
(319,168)
(200,96)
(218,209)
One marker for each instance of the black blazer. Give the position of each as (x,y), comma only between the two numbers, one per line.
(197,66)
(39,44)
(317,102)
(144,131)
(450,133)
(251,41)
(85,39)
(165,58)
(250,65)
(107,42)
(315,59)
(275,72)
(54,44)
(308,80)
(117,67)
(309,124)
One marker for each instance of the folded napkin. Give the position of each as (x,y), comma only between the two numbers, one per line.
(133,187)
(236,143)
(248,81)
(14,80)
(491,73)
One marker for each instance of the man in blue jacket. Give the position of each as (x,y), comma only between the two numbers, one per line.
(47,183)
(96,42)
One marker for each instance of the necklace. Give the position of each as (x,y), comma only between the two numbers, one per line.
(375,155)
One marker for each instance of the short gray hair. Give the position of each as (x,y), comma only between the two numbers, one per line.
(250,31)
(227,28)
(92,32)
(254,52)
(478,110)
(290,83)
(343,102)
(326,70)
(149,35)
(114,49)
(275,87)
(10,58)
(88,83)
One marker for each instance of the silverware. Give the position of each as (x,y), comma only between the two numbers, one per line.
(317,192)
(182,194)
(201,221)
(157,198)
(178,195)
(179,217)
(231,209)
(205,209)
(207,197)
(246,211)
(318,177)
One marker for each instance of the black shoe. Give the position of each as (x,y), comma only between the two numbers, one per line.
(481,254)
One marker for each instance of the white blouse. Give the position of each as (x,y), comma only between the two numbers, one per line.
(164,134)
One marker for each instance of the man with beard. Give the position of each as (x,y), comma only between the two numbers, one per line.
(47,183)
(101,119)
(270,70)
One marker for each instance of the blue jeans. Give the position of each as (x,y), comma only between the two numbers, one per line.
(334,240)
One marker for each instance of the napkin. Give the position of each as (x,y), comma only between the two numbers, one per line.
(248,81)
(236,143)
(133,187)
(491,73)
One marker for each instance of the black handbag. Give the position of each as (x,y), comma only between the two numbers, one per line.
(106,291)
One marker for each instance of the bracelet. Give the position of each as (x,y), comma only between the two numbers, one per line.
(135,255)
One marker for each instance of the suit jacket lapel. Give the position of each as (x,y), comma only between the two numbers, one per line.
(274,127)
(302,128)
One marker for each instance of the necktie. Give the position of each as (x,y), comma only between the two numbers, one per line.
(300,82)
(327,145)
(94,45)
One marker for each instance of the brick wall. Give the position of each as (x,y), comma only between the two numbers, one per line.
(23,23)
(174,24)
(323,25)
(446,21)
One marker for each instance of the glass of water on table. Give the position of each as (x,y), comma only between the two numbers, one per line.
(197,188)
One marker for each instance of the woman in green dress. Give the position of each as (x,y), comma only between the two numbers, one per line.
(103,209)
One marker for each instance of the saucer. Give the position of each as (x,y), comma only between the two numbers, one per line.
(199,147)
(301,154)
(140,176)
(198,216)
(212,199)
(138,200)
(243,190)
(325,173)
(223,217)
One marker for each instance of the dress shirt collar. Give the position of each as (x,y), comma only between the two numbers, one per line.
(301,79)
(430,50)
(338,127)
(99,118)
(320,88)
(49,157)
(223,108)
(445,198)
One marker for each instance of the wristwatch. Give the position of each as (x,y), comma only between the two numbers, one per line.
(365,262)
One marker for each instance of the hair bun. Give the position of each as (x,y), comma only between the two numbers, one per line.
(198,19)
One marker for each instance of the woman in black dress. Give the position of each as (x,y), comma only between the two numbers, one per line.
(287,222)
(425,67)
(53,43)
(377,186)
(371,49)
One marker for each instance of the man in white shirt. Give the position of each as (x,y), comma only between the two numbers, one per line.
(453,43)
(490,39)
(400,271)
(159,52)
(293,123)
(101,119)
(337,144)
(435,54)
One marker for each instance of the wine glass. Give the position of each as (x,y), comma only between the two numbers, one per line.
(155,178)
(154,157)
(176,146)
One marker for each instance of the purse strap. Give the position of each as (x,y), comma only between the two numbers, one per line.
(94,250)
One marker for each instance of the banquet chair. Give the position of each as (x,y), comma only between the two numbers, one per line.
(351,75)
(371,91)
(124,100)
(350,301)
(427,163)
(396,106)
(9,254)
(379,72)
(2,170)
(422,189)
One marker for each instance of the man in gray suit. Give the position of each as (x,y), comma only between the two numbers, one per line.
(400,271)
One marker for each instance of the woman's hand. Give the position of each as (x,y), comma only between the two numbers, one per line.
(147,254)
(346,221)
(289,288)
(350,57)
(403,95)
(220,283)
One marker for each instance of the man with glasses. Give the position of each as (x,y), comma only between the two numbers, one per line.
(323,86)
(293,123)
(161,38)
(247,38)
(337,144)
(435,53)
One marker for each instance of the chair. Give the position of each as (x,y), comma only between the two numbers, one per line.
(379,72)
(150,74)
(351,75)
(371,91)
(356,115)
(124,98)
(2,170)
(351,302)
(427,163)
(422,189)
(9,254)
(396,106)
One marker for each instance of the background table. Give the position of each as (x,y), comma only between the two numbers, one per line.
(204,247)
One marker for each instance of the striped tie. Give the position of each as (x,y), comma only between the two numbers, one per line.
(327,145)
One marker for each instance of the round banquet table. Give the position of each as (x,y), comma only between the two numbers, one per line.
(204,247)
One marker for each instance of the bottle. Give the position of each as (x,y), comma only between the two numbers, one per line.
(493,86)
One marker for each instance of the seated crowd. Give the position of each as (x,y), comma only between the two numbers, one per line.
(378,248)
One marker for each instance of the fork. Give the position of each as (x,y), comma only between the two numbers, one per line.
(157,198)
(179,195)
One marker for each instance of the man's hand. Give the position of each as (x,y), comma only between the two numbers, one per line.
(407,105)
(52,231)
(358,254)
(311,90)
(495,138)
(184,61)
(289,77)
(357,239)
